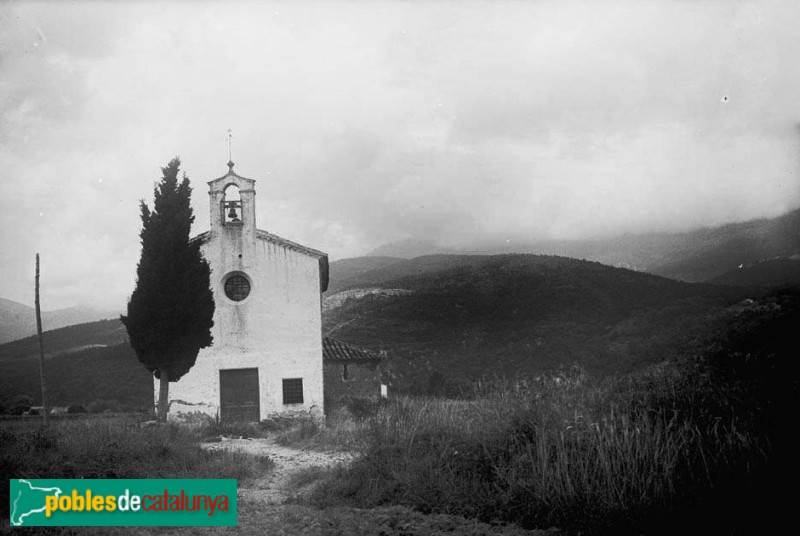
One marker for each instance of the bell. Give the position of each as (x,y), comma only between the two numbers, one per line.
(232,214)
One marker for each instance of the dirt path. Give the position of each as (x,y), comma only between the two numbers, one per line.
(273,488)
(263,508)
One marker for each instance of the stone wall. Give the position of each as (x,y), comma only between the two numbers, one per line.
(363,381)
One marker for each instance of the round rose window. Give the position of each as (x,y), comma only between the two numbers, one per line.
(237,287)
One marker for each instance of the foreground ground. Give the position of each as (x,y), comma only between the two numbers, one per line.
(693,445)
(278,485)
(263,508)
(268,503)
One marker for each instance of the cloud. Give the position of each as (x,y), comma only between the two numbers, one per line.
(370,123)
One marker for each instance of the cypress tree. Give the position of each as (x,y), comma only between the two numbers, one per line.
(170,313)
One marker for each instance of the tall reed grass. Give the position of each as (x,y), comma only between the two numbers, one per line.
(613,455)
(342,432)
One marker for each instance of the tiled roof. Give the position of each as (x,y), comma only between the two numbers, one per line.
(264,235)
(337,351)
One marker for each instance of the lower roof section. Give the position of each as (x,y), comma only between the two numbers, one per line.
(336,351)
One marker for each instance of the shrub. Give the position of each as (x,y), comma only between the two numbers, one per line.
(20,404)
(104,406)
(361,408)
(299,433)
(341,431)
(75,409)
(275,423)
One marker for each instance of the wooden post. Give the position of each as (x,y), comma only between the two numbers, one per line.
(41,345)
(163,395)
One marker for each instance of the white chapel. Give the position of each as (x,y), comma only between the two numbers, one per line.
(267,353)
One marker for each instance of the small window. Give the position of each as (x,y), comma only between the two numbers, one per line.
(345,372)
(237,287)
(293,391)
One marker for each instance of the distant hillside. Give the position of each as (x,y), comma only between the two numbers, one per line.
(66,340)
(101,374)
(18,320)
(709,253)
(459,318)
(696,255)
(344,270)
(771,272)
(408,249)
(444,320)
(85,363)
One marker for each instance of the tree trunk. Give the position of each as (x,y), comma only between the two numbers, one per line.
(41,345)
(163,396)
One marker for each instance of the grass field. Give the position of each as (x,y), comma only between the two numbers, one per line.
(652,454)
(120,447)
(659,453)
(116,447)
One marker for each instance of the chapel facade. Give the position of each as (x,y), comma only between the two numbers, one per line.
(267,354)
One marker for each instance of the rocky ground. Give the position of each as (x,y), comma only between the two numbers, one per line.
(276,487)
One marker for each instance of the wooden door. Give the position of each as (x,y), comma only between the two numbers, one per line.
(238,393)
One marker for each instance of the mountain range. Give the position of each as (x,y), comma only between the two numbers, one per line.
(462,317)
(698,255)
(18,321)
(447,320)
(89,363)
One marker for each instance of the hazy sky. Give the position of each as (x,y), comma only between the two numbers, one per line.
(367,122)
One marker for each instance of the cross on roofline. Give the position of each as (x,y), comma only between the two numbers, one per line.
(230,158)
